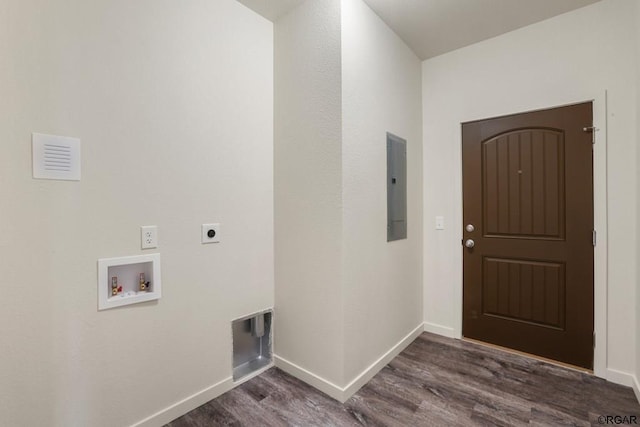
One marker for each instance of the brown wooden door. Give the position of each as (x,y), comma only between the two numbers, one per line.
(528,192)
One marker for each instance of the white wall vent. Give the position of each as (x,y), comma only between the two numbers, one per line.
(56,157)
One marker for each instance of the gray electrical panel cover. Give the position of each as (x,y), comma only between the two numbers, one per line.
(396,188)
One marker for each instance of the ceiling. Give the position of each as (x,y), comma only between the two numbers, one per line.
(434,27)
(271,9)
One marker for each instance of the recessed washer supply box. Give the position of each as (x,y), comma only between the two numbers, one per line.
(125,274)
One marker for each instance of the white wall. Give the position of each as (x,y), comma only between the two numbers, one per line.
(308,182)
(381,92)
(571,58)
(173,103)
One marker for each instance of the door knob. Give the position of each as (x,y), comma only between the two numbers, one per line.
(470,228)
(469,243)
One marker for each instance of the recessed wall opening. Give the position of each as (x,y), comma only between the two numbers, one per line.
(251,344)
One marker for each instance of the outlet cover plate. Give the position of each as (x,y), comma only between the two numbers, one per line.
(206,228)
(149,236)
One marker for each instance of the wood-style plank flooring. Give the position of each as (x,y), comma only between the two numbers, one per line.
(436,381)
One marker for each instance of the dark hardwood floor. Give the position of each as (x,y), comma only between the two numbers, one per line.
(436,381)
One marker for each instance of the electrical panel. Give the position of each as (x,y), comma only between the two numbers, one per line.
(396,188)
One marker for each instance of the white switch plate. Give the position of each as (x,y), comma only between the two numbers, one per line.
(439,223)
(149,236)
(215,235)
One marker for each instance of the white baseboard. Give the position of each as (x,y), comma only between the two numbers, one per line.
(445,331)
(366,375)
(325,386)
(626,379)
(192,402)
(342,394)
(619,377)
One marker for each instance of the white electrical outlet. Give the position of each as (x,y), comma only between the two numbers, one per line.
(210,233)
(149,236)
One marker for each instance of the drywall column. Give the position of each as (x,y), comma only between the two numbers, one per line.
(345,297)
(173,102)
(570,58)
(381,92)
(308,190)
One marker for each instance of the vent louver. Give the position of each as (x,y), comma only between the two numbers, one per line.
(56,157)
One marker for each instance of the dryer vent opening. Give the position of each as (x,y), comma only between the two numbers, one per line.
(251,344)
